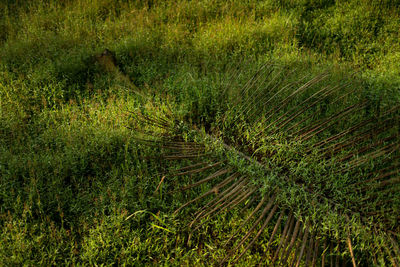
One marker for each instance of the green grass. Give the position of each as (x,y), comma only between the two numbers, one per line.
(71,172)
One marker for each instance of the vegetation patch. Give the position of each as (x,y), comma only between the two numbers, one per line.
(296,98)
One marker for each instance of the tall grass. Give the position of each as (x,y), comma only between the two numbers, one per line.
(71,171)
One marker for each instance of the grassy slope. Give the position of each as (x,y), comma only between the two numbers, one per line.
(70,171)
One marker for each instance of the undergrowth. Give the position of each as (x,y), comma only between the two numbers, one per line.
(76,187)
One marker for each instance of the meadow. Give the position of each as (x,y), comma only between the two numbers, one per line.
(76,185)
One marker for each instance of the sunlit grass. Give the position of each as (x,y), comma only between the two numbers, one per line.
(71,171)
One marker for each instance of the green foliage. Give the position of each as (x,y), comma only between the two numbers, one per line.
(71,172)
